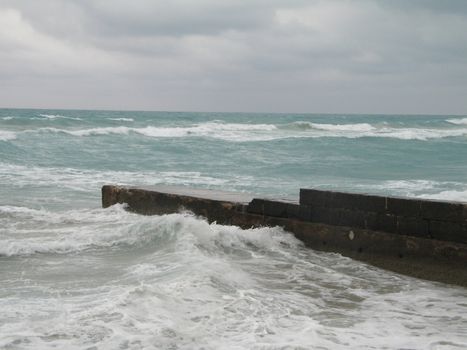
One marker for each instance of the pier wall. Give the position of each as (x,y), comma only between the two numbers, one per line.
(422,238)
(441,220)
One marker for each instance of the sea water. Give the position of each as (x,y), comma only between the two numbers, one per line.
(75,276)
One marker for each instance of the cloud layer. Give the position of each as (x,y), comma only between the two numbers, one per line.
(277,56)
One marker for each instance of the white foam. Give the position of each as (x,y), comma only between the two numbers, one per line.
(70,231)
(428,189)
(420,134)
(358,130)
(359,127)
(175,281)
(86,180)
(448,195)
(229,132)
(460,121)
(236,132)
(42,231)
(7,135)
(121,130)
(56,116)
(410,185)
(122,119)
(8,118)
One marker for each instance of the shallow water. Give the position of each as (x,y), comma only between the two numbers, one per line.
(76,276)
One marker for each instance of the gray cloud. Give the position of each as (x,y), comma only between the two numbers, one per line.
(310,56)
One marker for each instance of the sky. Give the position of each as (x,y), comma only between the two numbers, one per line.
(305,56)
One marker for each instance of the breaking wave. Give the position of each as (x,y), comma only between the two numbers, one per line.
(460,121)
(43,231)
(428,189)
(122,119)
(7,135)
(302,125)
(86,180)
(55,116)
(175,281)
(236,132)
(228,132)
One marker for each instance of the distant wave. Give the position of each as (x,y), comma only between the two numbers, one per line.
(304,126)
(229,132)
(82,180)
(460,196)
(237,132)
(359,130)
(7,135)
(460,121)
(8,118)
(428,189)
(55,116)
(122,119)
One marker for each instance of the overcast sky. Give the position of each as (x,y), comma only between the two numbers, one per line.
(388,56)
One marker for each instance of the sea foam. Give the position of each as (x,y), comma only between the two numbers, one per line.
(176,281)
(236,132)
(6,135)
(122,119)
(55,116)
(460,121)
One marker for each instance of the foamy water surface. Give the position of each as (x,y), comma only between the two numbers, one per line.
(75,276)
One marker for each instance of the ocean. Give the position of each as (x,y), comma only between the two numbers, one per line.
(76,276)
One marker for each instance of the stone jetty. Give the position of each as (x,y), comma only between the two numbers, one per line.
(421,238)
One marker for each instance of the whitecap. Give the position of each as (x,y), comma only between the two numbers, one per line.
(227,131)
(122,119)
(358,127)
(55,116)
(84,180)
(460,121)
(420,188)
(7,135)
(448,195)
(237,132)
(304,129)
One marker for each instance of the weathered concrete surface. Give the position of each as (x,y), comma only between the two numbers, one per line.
(440,220)
(387,247)
(214,205)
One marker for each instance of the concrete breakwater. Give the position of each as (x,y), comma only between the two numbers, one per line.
(421,238)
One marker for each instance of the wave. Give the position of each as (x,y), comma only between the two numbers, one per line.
(205,285)
(122,119)
(7,135)
(86,180)
(54,116)
(360,130)
(460,121)
(302,125)
(448,195)
(46,232)
(269,132)
(228,132)
(427,189)
(237,132)
(8,118)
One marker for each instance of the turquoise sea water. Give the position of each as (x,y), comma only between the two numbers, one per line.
(76,276)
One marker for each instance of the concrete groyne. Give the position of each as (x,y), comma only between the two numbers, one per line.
(421,238)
